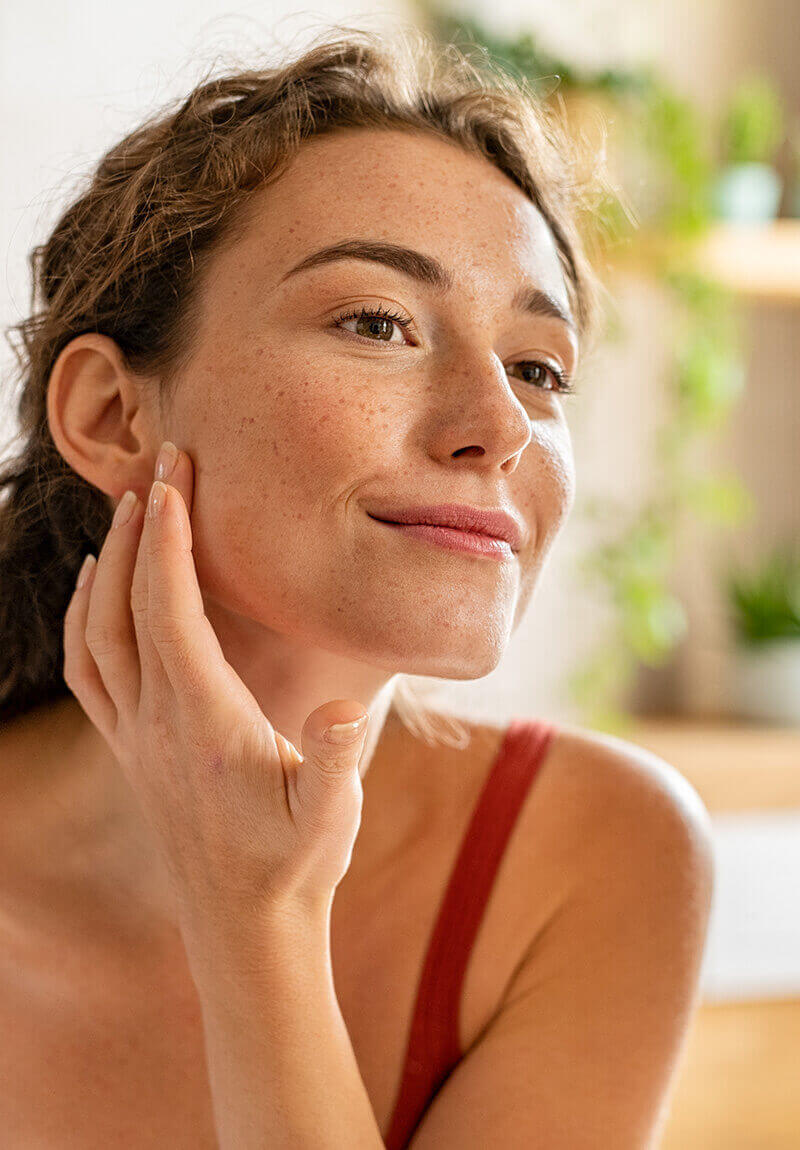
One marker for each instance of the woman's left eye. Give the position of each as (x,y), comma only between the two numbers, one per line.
(379,323)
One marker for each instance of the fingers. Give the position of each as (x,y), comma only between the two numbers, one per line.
(180,475)
(80,670)
(106,653)
(137,638)
(101,663)
(205,685)
(173,468)
(110,634)
(175,610)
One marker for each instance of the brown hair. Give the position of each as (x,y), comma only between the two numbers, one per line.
(126,258)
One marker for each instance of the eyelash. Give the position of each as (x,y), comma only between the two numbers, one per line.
(565,385)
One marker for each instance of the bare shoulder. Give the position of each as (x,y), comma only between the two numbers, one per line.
(622,779)
(612,824)
(614,868)
(594,786)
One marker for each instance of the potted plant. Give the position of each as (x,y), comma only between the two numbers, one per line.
(748,188)
(765,607)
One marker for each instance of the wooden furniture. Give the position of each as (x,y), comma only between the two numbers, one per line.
(738,1083)
(759,263)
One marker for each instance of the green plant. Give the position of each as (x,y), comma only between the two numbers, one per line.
(753,123)
(667,145)
(765,602)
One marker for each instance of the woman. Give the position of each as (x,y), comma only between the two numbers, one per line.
(335,290)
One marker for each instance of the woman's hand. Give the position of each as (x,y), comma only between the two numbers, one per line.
(243,821)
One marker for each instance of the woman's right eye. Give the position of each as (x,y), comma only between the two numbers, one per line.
(373,322)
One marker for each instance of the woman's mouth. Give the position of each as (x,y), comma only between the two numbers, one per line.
(468,542)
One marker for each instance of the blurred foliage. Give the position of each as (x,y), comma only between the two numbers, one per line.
(753,123)
(765,602)
(794,147)
(669,144)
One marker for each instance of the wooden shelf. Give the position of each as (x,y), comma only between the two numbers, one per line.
(756,261)
(733,766)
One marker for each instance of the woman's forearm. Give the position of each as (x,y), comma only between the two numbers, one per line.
(281,1066)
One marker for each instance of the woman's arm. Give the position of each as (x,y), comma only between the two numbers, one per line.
(281,1065)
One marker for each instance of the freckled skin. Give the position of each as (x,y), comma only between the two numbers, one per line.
(295,427)
(315,423)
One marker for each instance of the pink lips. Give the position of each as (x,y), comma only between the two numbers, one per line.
(466,541)
(489,522)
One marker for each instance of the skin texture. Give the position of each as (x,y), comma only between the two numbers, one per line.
(581,986)
(295,427)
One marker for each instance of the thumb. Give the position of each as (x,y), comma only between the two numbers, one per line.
(332,737)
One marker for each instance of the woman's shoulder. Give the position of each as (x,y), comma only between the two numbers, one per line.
(625,779)
(592,786)
(606,822)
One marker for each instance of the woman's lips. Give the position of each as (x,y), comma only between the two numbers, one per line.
(465,541)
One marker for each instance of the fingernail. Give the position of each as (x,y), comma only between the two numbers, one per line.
(167,458)
(345,732)
(155,504)
(124,509)
(86,570)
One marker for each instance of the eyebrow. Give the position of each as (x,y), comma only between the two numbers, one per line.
(427,270)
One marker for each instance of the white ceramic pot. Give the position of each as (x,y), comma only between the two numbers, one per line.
(766,681)
(747,193)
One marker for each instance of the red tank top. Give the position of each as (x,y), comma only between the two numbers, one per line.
(433,1047)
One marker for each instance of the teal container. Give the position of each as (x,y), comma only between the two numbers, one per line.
(747,193)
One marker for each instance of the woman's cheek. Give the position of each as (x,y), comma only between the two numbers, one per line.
(553,481)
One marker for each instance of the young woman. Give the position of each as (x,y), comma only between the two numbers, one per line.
(335,292)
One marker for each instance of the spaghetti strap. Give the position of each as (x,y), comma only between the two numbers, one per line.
(433,1045)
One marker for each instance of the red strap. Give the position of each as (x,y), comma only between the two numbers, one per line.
(433,1046)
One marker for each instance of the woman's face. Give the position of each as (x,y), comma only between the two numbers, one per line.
(297,427)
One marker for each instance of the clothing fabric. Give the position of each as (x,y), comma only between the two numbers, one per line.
(433,1048)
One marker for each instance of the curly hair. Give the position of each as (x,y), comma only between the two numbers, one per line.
(128,254)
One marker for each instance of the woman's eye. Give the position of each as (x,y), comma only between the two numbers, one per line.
(376,324)
(560,379)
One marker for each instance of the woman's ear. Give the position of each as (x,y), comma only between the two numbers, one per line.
(98,418)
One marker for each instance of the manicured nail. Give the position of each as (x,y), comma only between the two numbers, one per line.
(86,570)
(155,504)
(124,509)
(345,732)
(167,458)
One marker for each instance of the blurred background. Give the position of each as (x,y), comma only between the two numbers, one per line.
(669,610)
